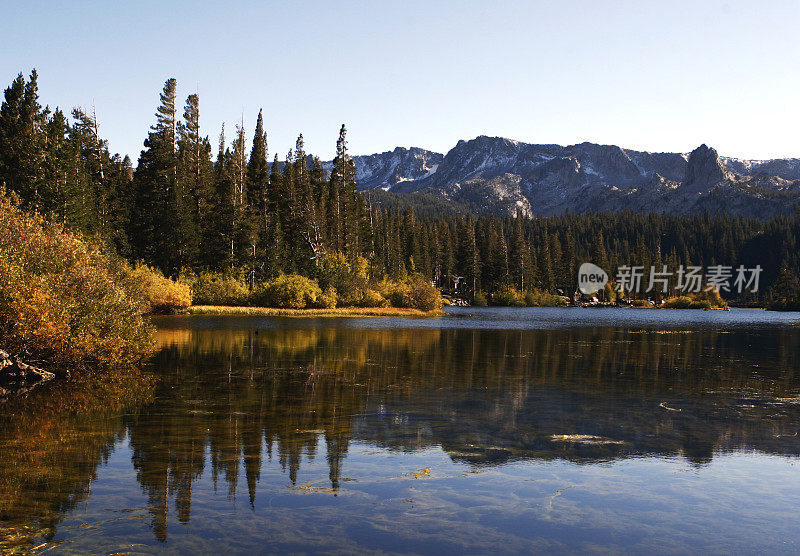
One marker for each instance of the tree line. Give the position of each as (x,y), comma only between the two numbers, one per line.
(185,207)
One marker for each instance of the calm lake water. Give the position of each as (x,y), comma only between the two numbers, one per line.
(486,430)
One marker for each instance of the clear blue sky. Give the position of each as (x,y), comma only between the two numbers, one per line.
(658,76)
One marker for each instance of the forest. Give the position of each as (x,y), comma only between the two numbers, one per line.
(229,217)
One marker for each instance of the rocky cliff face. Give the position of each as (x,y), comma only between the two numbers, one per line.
(386,170)
(504,176)
(704,170)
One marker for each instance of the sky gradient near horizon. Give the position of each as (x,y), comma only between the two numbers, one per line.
(642,75)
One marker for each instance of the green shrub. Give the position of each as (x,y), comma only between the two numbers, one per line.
(371,298)
(216,288)
(681,302)
(512,297)
(509,297)
(479,300)
(416,292)
(713,298)
(327,299)
(538,298)
(395,291)
(710,299)
(287,291)
(160,294)
(610,292)
(63,302)
(423,295)
(349,277)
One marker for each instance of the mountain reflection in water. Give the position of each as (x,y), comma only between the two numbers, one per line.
(234,401)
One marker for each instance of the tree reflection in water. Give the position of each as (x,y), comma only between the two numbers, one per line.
(232,400)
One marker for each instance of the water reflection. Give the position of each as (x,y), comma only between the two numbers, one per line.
(51,444)
(232,400)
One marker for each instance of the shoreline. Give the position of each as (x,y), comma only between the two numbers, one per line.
(222,310)
(235,310)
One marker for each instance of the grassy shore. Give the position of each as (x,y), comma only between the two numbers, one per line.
(338,312)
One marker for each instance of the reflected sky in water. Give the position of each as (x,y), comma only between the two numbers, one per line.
(484,430)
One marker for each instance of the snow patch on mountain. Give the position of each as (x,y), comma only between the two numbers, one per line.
(503,175)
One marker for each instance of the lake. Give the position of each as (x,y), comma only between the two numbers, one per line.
(485,430)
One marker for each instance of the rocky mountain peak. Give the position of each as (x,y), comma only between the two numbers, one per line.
(494,174)
(387,169)
(705,169)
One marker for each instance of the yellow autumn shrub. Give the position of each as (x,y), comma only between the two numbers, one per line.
(63,302)
(217,288)
(158,293)
(288,291)
(349,277)
(415,292)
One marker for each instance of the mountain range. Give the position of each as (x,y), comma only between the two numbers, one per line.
(502,176)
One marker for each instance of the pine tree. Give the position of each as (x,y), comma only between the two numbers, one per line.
(557,261)
(569,262)
(243,225)
(258,166)
(258,192)
(309,227)
(319,187)
(63,203)
(219,233)
(546,270)
(448,255)
(345,209)
(412,254)
(120,179)
(599,254)
(196,172)
(157,195)
(292,224)
(94,157)
(519,256)
(22,141)
(468,260)
(787,286)
(276,259)
(496,272)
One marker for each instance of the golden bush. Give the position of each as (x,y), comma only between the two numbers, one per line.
(216,288)
(64,302)
(416,292)
(158,293)
(287,291)
(348,276)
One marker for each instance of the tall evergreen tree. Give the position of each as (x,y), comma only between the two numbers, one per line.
(219,233)
(22,141)
(519,256)
(258,195)
(468,260)
(196,175)
(157,195)
(94,157)
(276,250)
(310,231)
(345,208)
(64,203)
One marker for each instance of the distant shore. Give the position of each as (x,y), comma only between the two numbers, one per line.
(338,312)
